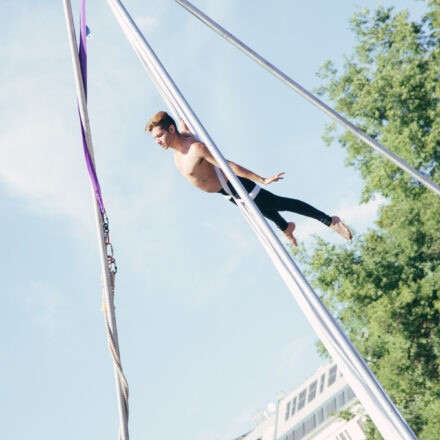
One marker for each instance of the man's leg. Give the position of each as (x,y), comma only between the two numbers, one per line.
(287,228)
(270,204)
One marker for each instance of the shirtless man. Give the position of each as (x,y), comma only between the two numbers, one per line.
(197,165)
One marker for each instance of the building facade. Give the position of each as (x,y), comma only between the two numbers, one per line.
(323,407)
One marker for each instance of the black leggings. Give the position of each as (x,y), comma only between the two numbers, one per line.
(269,205)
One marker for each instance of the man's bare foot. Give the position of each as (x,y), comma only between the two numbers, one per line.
(288,232)
(340,228)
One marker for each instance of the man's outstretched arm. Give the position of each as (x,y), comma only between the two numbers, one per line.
(247,174)
(238,169)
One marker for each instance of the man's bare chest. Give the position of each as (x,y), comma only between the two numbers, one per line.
(190,165)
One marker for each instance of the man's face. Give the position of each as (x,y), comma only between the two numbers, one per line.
(162,137)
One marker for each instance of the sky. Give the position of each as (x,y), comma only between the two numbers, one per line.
(209,334)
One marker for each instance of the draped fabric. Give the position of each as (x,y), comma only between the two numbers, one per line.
(83,63)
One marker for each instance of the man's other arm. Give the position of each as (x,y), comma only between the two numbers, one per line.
(238,169)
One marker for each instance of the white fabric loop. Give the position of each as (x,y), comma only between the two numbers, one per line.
(229,196)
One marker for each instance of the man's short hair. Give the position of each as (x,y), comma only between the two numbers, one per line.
(162,120)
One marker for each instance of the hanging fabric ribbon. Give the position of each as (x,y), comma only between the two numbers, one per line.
(79,58)
(83,63)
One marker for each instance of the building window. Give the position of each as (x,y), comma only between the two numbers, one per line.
(341,399)
(350,394)
(310,424)
(321,385)
(293,407)
(330,408)
(302,399)
(332,375)
(299,432)
(287,411)
(312,391)
(321,416)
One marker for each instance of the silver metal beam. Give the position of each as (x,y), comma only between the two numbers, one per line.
(311,98)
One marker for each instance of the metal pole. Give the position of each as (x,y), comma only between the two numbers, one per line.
(374,399)
(310,97)
(98,217)
(143,58)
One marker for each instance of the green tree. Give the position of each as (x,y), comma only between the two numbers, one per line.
(384,288)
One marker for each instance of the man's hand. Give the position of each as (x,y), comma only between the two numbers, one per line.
(275,178)
(183,127)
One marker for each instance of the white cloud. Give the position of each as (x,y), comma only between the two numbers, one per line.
(38,162)
(44,303)
(41,158)
(358,216)
(219,9)
(147,22)
(292,353)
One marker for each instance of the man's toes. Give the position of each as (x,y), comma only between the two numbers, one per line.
(288,232)
(340,228)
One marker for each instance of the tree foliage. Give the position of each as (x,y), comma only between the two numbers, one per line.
(384,288)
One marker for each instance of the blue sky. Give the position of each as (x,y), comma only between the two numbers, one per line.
(208,332)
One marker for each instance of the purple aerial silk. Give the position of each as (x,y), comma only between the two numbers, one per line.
(83,63)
